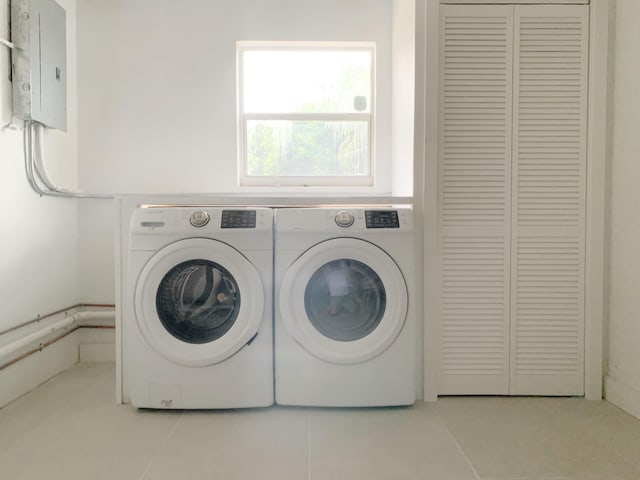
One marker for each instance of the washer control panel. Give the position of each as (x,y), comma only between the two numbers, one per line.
(203,219)
(345,219)
(199,218)
(238,219)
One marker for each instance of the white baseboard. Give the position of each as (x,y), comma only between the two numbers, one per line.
(623,395)
(96,345)
(97,352)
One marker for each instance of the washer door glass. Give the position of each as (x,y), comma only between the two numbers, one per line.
(345,300)
(198,301)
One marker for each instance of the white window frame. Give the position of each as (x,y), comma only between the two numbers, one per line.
(245,180)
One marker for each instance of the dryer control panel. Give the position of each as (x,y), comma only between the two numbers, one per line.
(345,220)
(382,219)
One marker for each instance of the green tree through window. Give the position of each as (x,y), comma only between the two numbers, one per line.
(307,112)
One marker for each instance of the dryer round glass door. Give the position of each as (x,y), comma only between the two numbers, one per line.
(344,300)
(199,301)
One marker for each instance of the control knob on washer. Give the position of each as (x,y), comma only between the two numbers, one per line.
(199,218)
(344,219)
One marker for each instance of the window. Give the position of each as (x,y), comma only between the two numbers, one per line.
(306,113)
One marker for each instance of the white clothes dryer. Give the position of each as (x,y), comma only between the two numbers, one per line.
(197,308)
(344,320)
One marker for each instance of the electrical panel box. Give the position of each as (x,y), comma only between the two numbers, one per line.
(39,62)
(5,67)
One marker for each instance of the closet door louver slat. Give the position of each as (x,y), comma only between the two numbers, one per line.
(548,231)
(474,308)
(474,198)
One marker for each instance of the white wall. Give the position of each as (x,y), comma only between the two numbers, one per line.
(623,381)
(157,82)
(403,97)
(39,236)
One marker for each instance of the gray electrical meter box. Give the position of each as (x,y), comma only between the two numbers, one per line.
(39,62)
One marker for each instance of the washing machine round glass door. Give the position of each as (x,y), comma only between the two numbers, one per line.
(198,301)
(344,300)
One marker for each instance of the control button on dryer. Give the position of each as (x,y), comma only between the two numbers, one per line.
(199,218)
(344,219)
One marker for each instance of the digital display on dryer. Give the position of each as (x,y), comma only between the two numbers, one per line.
(382,219)
(238,219)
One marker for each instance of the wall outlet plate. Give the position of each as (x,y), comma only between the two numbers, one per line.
(39,62)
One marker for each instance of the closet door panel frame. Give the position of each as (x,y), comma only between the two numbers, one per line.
(474,207)
(549,195)
(428,78)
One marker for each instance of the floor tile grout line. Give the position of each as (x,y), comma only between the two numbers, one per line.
(160,447)
(455,440)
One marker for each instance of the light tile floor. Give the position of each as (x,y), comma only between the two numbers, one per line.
(71,428)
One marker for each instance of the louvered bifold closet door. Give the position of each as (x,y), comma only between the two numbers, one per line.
(549,194)
(474,168)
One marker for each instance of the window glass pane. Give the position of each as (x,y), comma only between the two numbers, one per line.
(307,148)
(345,300)
(198,301)
(306,81)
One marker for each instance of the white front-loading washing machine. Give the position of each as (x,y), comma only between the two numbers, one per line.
(344,322)
(197,308)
